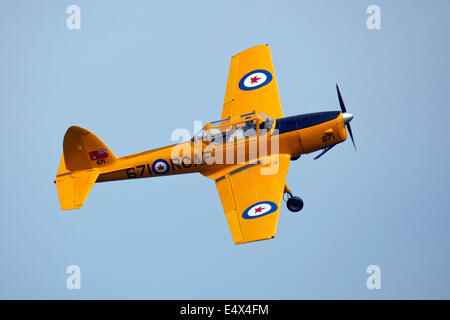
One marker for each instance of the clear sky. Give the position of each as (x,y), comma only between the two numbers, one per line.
(137,70)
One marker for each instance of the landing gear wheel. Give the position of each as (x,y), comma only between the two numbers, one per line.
(294,204)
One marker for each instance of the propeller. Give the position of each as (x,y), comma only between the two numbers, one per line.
(347,118)
(345,115)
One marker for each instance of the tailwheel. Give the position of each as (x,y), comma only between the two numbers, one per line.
(293,203)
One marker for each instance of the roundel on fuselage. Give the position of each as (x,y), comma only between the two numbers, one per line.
(160,166)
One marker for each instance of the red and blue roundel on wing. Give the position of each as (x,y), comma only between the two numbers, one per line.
(160,166)
(259,209)
(255,79)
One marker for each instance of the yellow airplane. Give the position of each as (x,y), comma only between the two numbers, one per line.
(247,153)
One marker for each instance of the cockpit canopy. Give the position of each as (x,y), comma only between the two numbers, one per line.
(235,128)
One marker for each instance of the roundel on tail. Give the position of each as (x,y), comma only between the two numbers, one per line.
(255,79)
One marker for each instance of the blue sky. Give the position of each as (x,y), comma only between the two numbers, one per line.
(137,70)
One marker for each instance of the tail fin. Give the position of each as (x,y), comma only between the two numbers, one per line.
(78,170)
(83,150)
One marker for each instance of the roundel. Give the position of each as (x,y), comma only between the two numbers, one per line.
(259,209)
(160,166)
(255,79)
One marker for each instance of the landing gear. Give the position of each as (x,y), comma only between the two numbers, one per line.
(293,203)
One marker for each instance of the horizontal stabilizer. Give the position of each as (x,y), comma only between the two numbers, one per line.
(74,187)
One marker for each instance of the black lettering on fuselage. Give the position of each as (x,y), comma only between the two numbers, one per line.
(142,168)
(205,157)
(186,164)
(175,162)
(130,173)
(197,160)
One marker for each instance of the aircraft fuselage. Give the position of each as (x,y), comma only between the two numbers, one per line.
(295,135)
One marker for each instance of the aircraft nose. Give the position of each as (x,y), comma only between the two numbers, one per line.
(347,117)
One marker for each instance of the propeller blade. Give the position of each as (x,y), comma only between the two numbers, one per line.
(344,110)
(341,101)
(325,150)
(351,134)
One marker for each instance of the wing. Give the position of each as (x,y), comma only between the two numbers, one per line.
(251,197)
(252,85)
